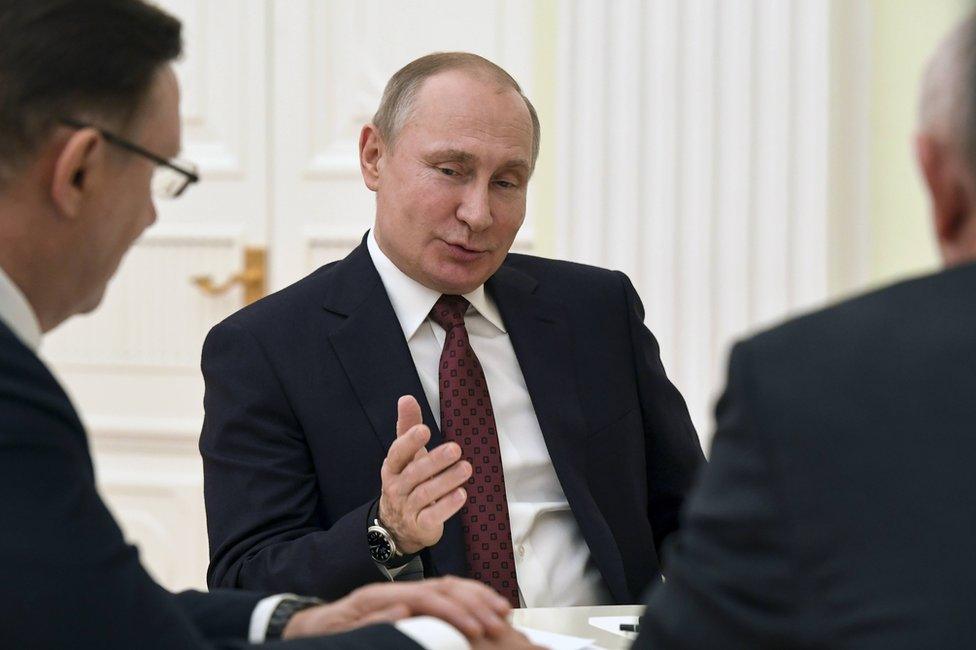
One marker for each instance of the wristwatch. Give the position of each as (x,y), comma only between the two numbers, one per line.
(382,547)
(288,607)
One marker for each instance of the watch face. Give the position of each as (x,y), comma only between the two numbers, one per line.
(379,546)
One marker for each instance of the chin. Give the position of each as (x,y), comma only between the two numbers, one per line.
(451,280)
(455,285)
(92,302)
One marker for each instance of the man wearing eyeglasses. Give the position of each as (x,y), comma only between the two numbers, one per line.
(89,123)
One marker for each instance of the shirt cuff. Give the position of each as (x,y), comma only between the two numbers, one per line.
(261,616)
(432,633)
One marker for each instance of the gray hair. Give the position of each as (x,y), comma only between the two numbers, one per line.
(947,102)
(401,91)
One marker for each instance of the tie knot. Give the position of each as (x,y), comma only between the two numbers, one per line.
(449,311)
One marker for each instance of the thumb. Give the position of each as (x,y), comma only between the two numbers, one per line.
(408,414)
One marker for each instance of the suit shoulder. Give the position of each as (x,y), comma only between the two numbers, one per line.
(530,263)
(22,372)
(30,396)
(903,306)
(570,274)
(837,352)
(15,357)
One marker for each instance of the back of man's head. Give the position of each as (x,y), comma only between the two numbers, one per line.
(92,60)
(947,108)
(946,144)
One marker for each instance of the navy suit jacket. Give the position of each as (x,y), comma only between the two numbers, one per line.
(301,393)
(838,509)
(67,577)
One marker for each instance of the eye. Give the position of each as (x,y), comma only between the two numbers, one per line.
(447,171)
(507,185)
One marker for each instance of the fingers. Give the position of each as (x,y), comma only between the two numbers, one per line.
(473,608)
(442,510)
(487,597)
(388,615)
(404,449)
(438,486)
(408,414)
(516,637)
(489,607)
(420,453)
(423,598)
(435,462)
(451,611)
(509,640)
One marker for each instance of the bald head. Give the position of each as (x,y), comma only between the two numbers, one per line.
(946,141)
(947,103)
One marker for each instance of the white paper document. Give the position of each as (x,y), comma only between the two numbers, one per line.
(555,641)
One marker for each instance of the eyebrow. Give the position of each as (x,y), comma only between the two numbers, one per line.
(452,154)
(461,156)
(516,163)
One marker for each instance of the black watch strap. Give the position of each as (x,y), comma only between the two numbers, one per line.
(288,607)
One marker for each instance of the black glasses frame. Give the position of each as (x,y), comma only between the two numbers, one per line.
(191,176)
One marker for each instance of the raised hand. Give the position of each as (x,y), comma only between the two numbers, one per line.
(421,490)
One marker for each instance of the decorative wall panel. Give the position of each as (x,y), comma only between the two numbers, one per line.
(693,155)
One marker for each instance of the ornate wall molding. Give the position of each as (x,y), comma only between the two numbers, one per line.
(694,154)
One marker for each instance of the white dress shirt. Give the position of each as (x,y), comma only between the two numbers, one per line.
(552,560)
(430,633)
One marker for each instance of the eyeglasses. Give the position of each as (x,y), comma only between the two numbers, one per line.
(170,178)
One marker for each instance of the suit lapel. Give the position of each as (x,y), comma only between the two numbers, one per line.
(376,359)
(543,344)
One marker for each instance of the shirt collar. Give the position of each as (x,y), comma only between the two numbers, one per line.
(413,301)
(17,313)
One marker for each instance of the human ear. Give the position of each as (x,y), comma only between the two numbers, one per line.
(946,190)
(371,151)
(72,171)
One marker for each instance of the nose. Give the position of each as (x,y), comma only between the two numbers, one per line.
(475,208)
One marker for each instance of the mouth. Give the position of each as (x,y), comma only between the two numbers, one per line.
(466,249)
(462,252)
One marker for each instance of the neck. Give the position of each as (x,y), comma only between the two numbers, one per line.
(42,301)
(25,258)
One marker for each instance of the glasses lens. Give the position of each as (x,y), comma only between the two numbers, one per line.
(168,183)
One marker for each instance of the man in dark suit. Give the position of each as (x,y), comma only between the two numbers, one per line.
(559,452)
(89,121)
(837,507)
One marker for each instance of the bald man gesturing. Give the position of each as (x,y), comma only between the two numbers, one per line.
(434,405)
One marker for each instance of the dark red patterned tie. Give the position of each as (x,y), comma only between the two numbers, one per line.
(467,419)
